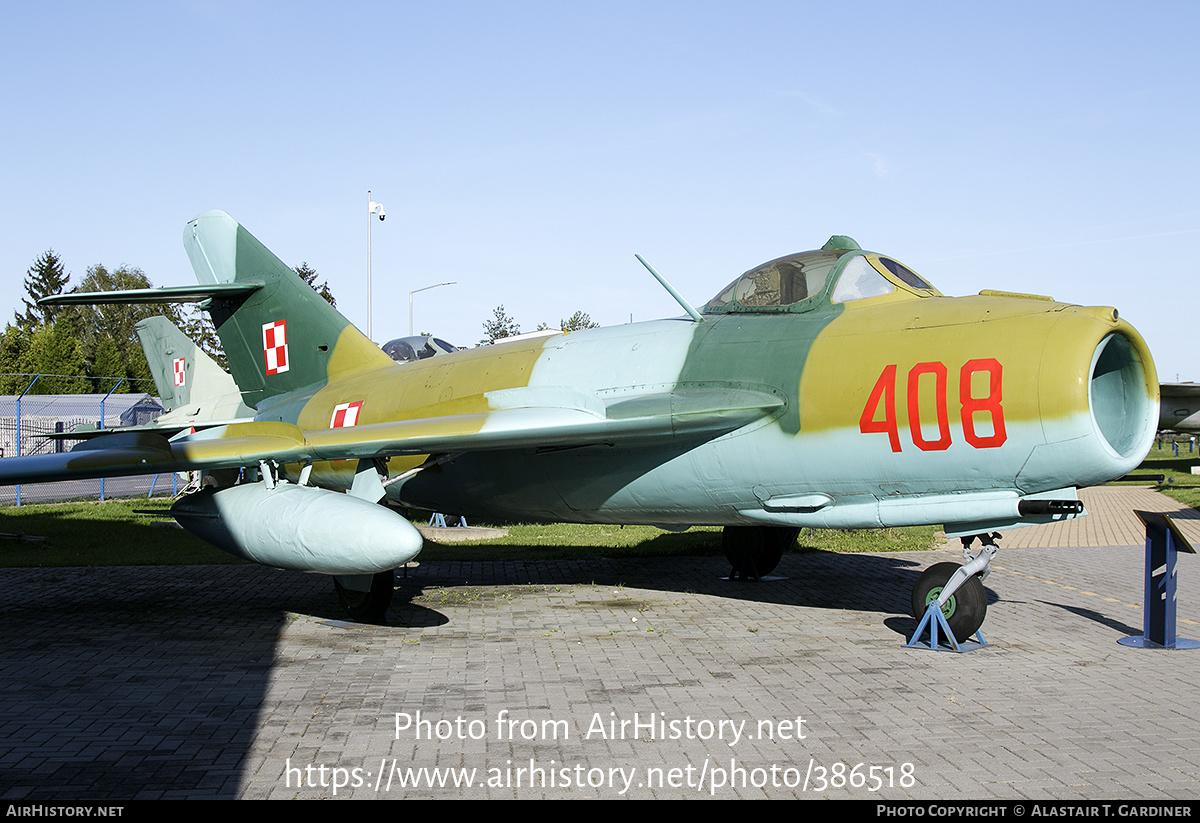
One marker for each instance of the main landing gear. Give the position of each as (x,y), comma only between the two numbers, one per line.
(958,589)
(366,597)
(753,552)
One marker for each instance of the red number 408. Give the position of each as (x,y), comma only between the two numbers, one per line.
(884,394)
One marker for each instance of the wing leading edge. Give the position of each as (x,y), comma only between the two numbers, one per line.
(645,420)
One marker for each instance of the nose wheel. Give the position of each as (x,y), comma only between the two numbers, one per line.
(958,590)
(964,610)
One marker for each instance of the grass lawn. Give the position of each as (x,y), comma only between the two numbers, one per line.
(558,540)
(1176,471)
(99,534)
(112,534)
(1178,481)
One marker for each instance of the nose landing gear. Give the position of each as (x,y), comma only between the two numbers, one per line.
(957,590)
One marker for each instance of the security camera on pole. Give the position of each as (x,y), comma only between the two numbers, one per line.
(372,208)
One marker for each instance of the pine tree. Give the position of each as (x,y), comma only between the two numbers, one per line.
(579,320)
(309,275)
(45,277)
(500,326)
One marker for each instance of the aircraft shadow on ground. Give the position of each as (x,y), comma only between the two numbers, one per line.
(143,682)
(150,682)
(826,580)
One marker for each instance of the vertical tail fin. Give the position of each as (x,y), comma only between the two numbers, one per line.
(188,380)
(283,336)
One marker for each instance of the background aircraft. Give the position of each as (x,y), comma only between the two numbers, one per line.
(834,388)
(416,347)
(1179,407)
(195,391)
(193,387)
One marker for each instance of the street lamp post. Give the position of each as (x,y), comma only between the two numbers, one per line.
(410,301)
(372,208)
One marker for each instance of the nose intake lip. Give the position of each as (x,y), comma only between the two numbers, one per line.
(1123,411)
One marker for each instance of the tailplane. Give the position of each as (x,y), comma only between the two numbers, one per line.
(279,335)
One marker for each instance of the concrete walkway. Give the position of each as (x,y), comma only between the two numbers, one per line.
(1110,521)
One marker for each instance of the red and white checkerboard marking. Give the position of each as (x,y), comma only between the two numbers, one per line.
(179,363)
(345,414)
(275,346)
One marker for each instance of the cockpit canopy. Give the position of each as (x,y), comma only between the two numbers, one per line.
(417,347)
(837,273)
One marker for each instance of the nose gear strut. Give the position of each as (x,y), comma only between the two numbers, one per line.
(952,597)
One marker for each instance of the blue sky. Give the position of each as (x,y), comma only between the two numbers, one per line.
(528,150)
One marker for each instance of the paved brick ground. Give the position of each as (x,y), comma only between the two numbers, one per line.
(240,682)
(1110,522)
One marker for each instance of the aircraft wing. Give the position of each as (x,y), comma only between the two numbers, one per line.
(517,419)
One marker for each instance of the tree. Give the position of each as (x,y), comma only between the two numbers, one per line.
(14,345)
(309,276)
(106,367)
(198,326)
(44,278)
(579,320)
(499,327)
(116,322)
(54,352)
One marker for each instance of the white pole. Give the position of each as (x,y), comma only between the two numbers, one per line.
(369,212)
(372,208)
(410,301)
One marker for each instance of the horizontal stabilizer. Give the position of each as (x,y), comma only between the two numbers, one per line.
(164,294)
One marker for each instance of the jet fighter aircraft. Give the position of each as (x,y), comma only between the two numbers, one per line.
(193,387)
(195,391)
(833,388)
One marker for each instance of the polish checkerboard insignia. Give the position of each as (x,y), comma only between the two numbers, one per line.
(275,346)
(345,414)
(179,363)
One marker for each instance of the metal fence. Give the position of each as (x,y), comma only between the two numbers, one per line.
(29,424)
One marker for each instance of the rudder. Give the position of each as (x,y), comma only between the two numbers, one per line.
(283,336)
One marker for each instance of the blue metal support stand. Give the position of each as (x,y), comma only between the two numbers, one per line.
(1164,541)
(438,520)
(936,622)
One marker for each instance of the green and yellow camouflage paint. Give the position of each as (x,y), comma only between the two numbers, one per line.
(834,388)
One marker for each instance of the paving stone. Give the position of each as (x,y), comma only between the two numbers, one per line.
(563,679)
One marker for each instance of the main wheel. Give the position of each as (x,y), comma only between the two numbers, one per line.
(755,551)
(370,606)
(965,609)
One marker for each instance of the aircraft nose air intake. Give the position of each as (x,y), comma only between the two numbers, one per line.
(1122,410)
(1098,402)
